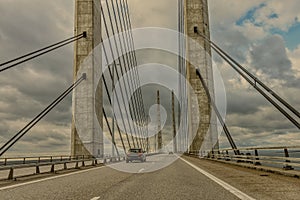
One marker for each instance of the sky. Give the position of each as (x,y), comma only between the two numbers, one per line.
(263,35)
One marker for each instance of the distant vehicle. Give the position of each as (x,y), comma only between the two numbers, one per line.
(170,152)
(135,154)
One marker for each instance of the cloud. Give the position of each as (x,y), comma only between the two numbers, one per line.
(30,87)
(244,137)
(271,58)
(44,138)
(236,102)
(284,14)
(227,12)
(247,35)
(295,59)
(154,13)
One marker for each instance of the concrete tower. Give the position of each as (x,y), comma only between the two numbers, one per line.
(197,21)
(87,18)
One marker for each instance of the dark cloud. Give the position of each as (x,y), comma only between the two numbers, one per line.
(27,89)
(271,58)
(244,102)
(233,41)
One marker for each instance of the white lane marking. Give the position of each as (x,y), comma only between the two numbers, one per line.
(141,170)
(49,178)
(225,185)
(95,198)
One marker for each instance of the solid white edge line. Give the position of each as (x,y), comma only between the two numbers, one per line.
(225,185)
(95,198)
(49,178)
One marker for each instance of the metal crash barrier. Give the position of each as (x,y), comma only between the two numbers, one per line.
(13,163)
(285,157)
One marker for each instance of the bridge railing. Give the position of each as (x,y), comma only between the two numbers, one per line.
(39,159)
(286,157)
(13,163)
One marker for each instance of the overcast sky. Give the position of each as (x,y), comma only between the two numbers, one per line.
(263,35)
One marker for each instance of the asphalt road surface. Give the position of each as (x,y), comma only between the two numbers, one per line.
(183,179)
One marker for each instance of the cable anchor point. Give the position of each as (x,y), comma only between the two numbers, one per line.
(84,34)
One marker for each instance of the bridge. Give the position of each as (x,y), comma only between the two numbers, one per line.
(160,91)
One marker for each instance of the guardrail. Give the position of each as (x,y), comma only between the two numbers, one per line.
(114,159)
(38,159)
(266,156)
(14,163)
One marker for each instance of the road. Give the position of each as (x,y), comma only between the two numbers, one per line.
(152,164)
(183,179)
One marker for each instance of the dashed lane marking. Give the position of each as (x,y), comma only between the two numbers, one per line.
(141,170)
(49,178)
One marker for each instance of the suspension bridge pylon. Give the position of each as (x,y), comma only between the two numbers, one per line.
(89,105)
(201,126)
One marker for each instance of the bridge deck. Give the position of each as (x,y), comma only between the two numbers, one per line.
(177,181)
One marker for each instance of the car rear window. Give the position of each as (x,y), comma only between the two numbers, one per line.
(135,150)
